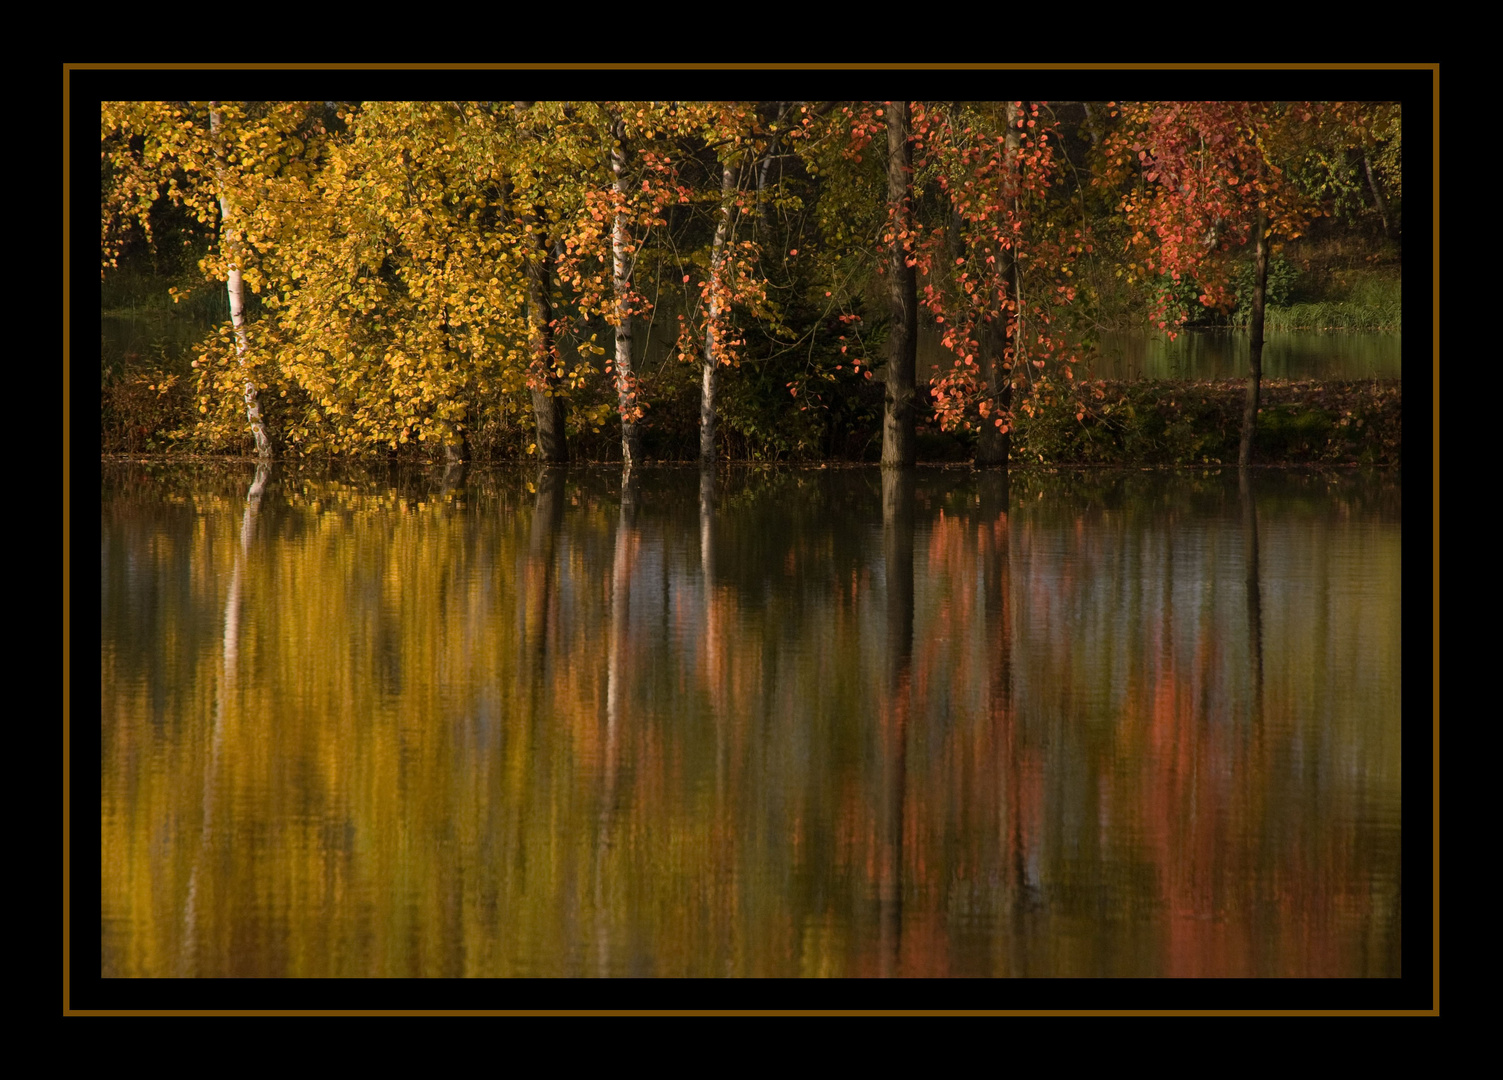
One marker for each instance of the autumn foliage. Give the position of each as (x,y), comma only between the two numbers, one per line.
(1197,174)
(485,277)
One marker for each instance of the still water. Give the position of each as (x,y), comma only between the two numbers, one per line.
(1224,354)
(753,722)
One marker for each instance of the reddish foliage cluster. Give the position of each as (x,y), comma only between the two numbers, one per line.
(995,279)
(1198,175)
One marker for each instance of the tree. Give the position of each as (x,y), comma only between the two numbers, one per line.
(235,255)
(1350,160)
(731,130)
(717,321)
(223,162)
(621,257)
(601,178)
(1206,178)
(837,248)
(899,444)
(426,273)
(998,265)
(536,219)
(623,220)
(696,165)
(401,285)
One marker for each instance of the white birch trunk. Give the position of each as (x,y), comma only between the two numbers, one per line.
(626,387)
(229,240)
(713,344)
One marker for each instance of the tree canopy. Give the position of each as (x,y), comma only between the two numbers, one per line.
(446,274)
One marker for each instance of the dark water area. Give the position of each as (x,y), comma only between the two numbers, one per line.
(1226,354)
(751,722)
(1197,355)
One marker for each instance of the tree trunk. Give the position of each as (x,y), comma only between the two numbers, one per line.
(899,444)
(714,332)
(764,168)
(763,225)
(454,457)
(626,382)
(1091,126)
(993,445)
(456,453)
(540,575)
(547,408)
(618,643)
(1372,182)
(1255,358)
(230,241)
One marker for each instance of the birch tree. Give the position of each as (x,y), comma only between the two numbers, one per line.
(224,162)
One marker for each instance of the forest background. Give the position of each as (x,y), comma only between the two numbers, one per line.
(717,280)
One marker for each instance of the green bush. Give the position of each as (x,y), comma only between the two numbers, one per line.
(1282,282)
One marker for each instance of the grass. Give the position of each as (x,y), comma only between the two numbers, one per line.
(1357,299)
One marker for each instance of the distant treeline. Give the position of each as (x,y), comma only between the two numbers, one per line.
(606,280)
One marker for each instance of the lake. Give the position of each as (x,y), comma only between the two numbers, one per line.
(754,722)
(1196,355)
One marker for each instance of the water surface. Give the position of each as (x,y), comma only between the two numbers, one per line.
(1196,355)
(750,723)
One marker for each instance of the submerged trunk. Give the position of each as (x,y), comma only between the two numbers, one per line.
(455,457)
(714,331)
(897,556)
(626,382)
(899,443)
(230,241)
(209,830)
(618,642)
(1254,592)
(457,452)
(1255,359)
(617,692)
